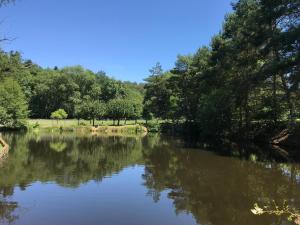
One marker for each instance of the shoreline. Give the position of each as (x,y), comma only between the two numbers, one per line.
(131,130)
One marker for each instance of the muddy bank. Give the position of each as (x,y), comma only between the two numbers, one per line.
(3,148)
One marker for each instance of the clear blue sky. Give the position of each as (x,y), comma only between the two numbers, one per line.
(125,38)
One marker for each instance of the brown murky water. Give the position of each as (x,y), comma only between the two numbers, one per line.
(67,179)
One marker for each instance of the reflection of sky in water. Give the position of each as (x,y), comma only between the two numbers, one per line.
(120,199)
(287,171)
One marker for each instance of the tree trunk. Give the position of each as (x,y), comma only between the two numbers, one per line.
(274,90)
(289,100)
(93,122)
(276,58)
(240,120)
(118,122)
(173,126)
(125,121)
(247,114)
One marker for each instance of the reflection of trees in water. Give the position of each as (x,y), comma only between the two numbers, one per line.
(66,160)
(219,190)
(216,190)
(7,208)
(58,146)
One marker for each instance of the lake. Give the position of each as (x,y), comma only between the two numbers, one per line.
(79,179)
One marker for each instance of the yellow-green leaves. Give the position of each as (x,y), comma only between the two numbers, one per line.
(257,210)
(274,209)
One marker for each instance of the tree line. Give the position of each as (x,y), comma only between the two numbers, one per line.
(27,90)
(246,79)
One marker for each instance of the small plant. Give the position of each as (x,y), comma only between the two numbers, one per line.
(59,114)
(284,210)
(153,127)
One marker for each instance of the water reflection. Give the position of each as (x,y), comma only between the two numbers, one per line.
(62,159)
(219,190)
(67,160)
(213,189)
(7,208)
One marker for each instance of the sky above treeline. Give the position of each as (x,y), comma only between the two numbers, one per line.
(125,38)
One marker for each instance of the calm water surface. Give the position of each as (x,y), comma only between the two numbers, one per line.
(67,179)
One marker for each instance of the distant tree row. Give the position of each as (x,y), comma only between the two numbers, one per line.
(36,92)
(248,77)
(115,109)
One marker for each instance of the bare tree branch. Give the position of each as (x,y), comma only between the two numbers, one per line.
(6,39)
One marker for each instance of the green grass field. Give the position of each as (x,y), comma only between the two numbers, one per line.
(72,123)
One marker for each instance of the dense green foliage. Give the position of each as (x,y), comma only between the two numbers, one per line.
(13,105)
(81,93)
(247,78)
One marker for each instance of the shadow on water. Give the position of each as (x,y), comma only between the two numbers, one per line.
(214,189)
(220,190)
(192,136)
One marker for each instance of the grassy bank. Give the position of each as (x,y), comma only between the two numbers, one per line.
(105,126)
(72,123)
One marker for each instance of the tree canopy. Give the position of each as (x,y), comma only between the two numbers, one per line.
(13,104)
(81,93)
(247,78)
